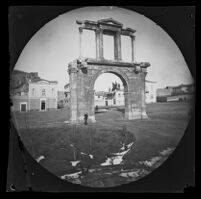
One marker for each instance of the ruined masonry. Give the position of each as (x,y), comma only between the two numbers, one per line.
(83,73)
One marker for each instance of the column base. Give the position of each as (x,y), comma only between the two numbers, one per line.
(135,115)
(73,119)
(91,119)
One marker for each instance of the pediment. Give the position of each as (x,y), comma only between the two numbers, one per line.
(110,21)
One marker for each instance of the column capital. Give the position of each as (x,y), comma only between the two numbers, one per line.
(72,67)
(144,70)
(72,70)
(137,69)
(132,37)
(98,31)
(80,29)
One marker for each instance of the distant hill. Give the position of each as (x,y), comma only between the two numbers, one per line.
(19,81)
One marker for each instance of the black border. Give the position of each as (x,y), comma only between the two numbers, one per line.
(177,21)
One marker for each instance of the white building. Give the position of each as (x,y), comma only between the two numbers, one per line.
(115,98)
(99,98)
(150,91)
(119,98)
(67,95)
(30,92)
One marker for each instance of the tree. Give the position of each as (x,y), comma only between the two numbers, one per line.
(114,86)
(118,86)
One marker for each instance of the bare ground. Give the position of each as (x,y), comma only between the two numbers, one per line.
(45,133)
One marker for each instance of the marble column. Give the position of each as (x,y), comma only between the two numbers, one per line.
(73,95)
(143,104)
(92,111)
(97,33)
(99,44)
(117,46)
(133,48)
(80,42)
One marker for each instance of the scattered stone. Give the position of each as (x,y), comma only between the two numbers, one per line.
(167,151)
(151,162)
(40,158)
(74,163)
(92,170)
(117,158)
(71,176)
(132,174)
(77,181)
(123,147)
(91,156)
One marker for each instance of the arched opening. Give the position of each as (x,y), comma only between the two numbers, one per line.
(110,95)
(126,48)
(108,47)
(88,47)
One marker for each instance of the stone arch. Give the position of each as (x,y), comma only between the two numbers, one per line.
(125,80)
(84,72)
(118,72)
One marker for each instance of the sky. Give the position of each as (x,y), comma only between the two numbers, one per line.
(57,43)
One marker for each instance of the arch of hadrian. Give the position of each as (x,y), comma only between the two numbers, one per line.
(84,71)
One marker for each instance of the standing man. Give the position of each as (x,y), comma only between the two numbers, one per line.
(85,118)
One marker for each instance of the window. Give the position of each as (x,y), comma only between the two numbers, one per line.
(33,91)
(42,105)
(114,101)
(52,91)
(23,106)
(106,103)
(43,92)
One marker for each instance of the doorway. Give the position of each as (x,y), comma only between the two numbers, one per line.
(23,106)
(106,103)
(43,105)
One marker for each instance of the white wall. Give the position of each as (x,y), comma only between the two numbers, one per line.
(150,92)
(120,100)
(50,91)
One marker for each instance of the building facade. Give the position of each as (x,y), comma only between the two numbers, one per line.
(67,95)
(30,92)
(99,98)
(150,91)
(183,92)
(113,98)
(60,99)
